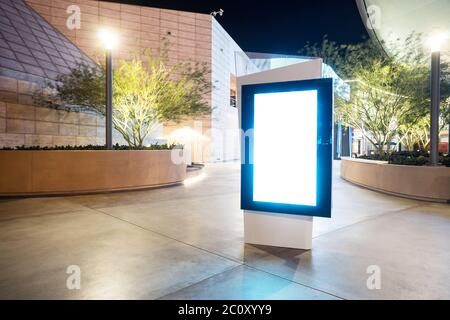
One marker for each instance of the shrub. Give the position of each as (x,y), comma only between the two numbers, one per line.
(375,157)
(146,93)
(408,158)
(446,161)
(95,147)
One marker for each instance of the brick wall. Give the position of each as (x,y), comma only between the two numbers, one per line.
(21,123)
(193,37)
(139,28)
(30,48)
(32,53)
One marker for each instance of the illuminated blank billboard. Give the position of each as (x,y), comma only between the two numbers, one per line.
(288,153)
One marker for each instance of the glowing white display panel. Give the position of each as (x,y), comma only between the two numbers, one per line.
(285,148)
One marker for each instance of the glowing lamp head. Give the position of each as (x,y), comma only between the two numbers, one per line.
(108,38)
(436,42)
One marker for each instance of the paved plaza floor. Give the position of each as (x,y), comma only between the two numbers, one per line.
(186,242)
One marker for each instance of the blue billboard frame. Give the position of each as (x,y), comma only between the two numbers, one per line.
(324,89)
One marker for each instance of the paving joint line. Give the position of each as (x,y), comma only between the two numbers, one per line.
(159,200)
(193,284)
(170,237)
(240,263)
(368,219)
(44,214)
(297,282)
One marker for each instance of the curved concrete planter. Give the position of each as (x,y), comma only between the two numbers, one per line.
(66,172)
(422,183)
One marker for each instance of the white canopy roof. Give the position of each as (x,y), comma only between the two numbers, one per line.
(396,19)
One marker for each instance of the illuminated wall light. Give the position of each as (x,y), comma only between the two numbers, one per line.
(194,180)
(192,140)
(186,133)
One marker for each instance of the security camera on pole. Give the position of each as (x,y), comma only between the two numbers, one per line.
(217,13)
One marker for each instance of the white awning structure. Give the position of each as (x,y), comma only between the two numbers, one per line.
(270,61)
(388,20)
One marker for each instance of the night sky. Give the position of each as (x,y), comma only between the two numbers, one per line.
(277,26)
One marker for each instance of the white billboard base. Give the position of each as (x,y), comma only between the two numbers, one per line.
(278,230)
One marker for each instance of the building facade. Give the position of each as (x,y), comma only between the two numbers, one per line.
(41,39)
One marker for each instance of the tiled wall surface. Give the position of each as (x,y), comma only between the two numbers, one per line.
(139,28)
(21,123)
(30,48)
(32,52)
(192,37)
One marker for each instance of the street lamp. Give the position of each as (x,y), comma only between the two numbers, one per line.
(435,43)
(109,42)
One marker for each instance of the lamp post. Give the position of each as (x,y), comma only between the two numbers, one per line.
(435,96)
(108,110)
(435,102)
(109,41)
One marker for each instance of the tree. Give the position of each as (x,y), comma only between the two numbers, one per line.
(345,59)
(390,94)
(378,104)
(417,135)
(147,93)
(445,113)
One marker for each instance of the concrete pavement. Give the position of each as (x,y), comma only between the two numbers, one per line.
(186,242)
